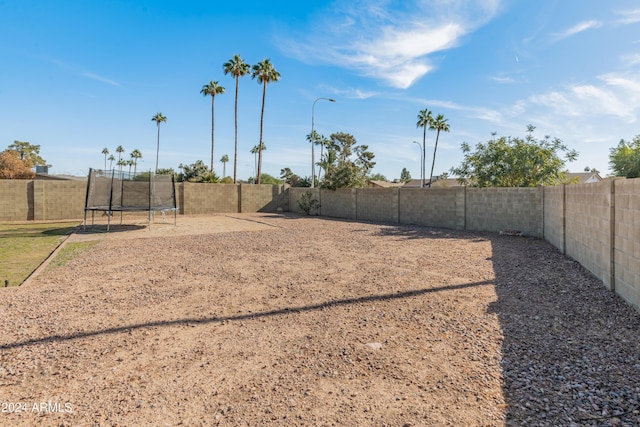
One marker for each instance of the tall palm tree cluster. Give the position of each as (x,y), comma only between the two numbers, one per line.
(236,67)
(263,71)
(135,155)
(439,123)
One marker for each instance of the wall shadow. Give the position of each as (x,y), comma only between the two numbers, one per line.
(571,348)
(240,317)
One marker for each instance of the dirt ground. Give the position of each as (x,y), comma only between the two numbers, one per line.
(261,319)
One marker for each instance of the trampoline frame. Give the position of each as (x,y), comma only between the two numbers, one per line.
(113,206)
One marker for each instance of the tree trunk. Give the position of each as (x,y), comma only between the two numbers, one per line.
(264,93)
(235,152)
(433,162)
(212,119)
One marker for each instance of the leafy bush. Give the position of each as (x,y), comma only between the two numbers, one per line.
(308,203)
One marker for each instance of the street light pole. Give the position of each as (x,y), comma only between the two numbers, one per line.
(313,141)
(421,163)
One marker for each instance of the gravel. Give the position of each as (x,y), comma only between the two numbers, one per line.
(317,322)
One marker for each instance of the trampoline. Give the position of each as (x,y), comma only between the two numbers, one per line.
(113,191)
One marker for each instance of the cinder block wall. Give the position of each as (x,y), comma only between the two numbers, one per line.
(16,200)
(340,203)
(63,199)
(381,205)
(433,208)
(204,198)
(262,198)
(496,209)
(588,219)
(296,193)
(627,240)
(554,216)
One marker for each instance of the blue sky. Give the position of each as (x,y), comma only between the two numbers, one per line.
(79,76)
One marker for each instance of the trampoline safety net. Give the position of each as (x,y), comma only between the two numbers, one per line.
(118,191)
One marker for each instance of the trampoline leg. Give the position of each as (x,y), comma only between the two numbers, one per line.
(108,220)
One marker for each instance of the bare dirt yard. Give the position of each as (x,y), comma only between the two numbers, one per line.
(247,320)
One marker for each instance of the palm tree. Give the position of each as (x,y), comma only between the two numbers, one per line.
(121,163)
(158,118)
(266,73)
(237,68)
(120,150)
(135,155)
(438,124)
(111,160)
(130,163)
(424,121)
(255,151)
(105,151)
(212,89)
(224,159)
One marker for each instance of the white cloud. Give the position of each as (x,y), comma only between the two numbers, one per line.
(629,16)
(578,28)
(617,96)
(351,93)
(101,79)
(388,40)
(504,80)
(631,59)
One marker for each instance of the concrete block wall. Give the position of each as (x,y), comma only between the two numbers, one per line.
(295,195)
(433,208)
(380,205)
(554,216)
(497,209)
(588,219)
(627,240)
(340,203)
(262,198)
(16,200)
(204,198)
(62,199)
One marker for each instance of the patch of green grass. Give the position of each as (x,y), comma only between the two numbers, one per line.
(23,247)
(70,251)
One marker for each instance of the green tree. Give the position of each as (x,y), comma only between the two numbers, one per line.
(158,118)
(266,73)
(405,175)
(224,159)
(425,119)
(111,160)
(292,179)
(121,163)
(592,170)
(135,155)
(197,172)
(28,152)
(439,124)
(119,150)
(213,89)
(515,162)
(323,142)
(377,177)
(352,162)
(105,151)
(624,159)
(237,68)
(266,179)
(255,150)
